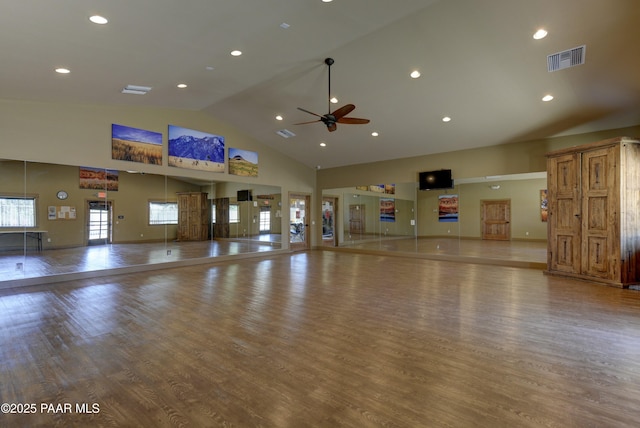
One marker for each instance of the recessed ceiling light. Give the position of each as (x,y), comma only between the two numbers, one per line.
(374,134)
(327,1)
(182,85)
(278,117)
(415,74)
(540,34)
(446,119)
(323,144)
(547,97)
(334,100)
(209,67)
(236,53)
(63,70)
(97,19)
(284,25)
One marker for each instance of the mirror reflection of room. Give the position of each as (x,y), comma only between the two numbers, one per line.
(58,219)
(504,213)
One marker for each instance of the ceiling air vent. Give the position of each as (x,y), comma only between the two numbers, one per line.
(566,59)
(285,133)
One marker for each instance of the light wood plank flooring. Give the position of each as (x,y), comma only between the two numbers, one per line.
(324,339)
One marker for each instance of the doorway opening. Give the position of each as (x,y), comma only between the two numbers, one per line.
(99,222)
(299,209)
(329,217)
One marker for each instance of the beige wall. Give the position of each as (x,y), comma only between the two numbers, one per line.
(515,158)
(506,159)
(524,195)
(80,135)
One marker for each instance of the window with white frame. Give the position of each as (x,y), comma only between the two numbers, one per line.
(163,212)
(234,213)
(17,211)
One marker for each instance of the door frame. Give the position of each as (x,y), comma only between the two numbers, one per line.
(305,243)
(334,200)
(109,204)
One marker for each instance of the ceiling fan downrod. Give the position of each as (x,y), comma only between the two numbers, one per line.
(329,62)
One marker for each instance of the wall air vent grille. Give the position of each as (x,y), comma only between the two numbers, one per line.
(566,59)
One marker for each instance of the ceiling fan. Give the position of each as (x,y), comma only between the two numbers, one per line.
(338,116)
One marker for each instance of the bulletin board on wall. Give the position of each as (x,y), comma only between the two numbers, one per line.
(61,212)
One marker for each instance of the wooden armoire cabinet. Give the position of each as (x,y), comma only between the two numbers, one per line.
(194,219)
(594,211)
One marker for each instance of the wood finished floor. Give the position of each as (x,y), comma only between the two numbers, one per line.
(324,339)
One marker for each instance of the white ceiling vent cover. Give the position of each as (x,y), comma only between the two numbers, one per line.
(566,59)
(285,133)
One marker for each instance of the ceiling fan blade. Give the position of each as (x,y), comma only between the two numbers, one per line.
(332,127)
(304,123)
(353,120)
(343,111)
(310,112)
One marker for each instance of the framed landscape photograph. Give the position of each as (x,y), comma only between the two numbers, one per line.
(136,145)
(243,162)
(193,149)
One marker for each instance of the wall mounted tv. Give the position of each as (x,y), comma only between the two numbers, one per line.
(244,195)
(430,180)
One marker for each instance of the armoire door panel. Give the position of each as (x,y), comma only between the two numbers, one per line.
(564,213)
(597,214)
(597,257)
(565,253)
(597,166)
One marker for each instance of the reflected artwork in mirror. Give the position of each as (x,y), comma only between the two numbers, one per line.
(44,235)
(410,221)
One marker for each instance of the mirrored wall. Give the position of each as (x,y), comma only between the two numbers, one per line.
(501,216)
(59,219)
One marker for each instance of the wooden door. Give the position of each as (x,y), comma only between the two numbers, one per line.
(221,227)
(599,202)
(357,219)
(496,219)
(564,213)
(183,216)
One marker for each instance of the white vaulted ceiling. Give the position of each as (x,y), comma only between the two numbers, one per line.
(478,61)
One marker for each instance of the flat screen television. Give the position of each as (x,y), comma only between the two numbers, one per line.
(430,180)
(244,195)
